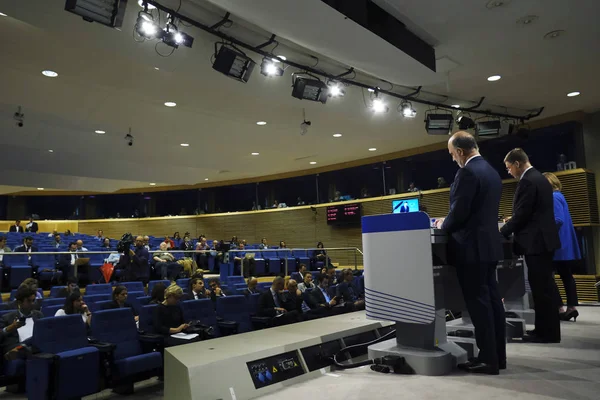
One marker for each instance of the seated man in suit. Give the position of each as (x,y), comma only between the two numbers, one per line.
(197,290)
(66,262)
(272,304)
(27,246)
(13,346)
(32,226)
(252,287)
(319,299)
(294,300)
(347,294)
(16,227)
(215,290)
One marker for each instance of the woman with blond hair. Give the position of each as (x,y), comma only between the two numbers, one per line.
(168,317)
(568,252)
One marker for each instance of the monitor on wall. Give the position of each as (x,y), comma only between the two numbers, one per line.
(405,205)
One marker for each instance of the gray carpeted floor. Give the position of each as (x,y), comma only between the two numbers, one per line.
(569,370)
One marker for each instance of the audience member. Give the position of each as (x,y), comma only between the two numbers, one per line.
(319,255)
(282,245)
(32,226)
(100,235)
(330,271)
(300,202)
(3,249)
(13,346)
(168,318)
(119,300)
(347,294)
(302,270)
(412,187)
(16,227)
(441,183)
(26,247)
(197,290)
(66,262)
(80,247)
(56,243)
(165,264)
(275,204)
(319,298)
(202,258)
(263,244)
(233,245)
(33,284)
(169,242)
(135,262)
(105,244)
(71,287)
(272,304)
(158,293)
(68,233)
(146,241)
(293,300)
(176,242)
(74,305)
(215,289)
(252,287)
(307,283)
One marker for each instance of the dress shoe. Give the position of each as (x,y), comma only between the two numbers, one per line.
(538,339)
(474,360)
(566,316)
(482,368)
(531,332)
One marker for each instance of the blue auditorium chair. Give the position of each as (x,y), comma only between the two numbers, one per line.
(273,261)
(233,280)
(301,256)
(140,302)
(49,310)
(13,293)
(100,305)
(235,308)
(291,261)
(45,268)
(67,366)
(260,268)
(183,283)
(202,310)
(53,302)
(101,288)
(133,287)
(129,363)
(54,290)
(19,268)
(146,318)
(262,286)
(152,283)
(240,286)
(296,276)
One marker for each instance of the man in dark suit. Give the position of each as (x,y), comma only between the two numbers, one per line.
(66,262)
(135,262)
(197,290)
(252,287)
(535,237)
(16,227)
(12,346)
(474,249)
(32,226)
(272,304)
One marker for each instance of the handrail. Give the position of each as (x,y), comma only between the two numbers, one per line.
(182,251)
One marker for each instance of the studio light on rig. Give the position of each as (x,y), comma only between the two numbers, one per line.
(309,88)
(174,38)
(335,89)
(233,62)
(270,67)
(407,109)
(378,106)
(146,27)
(464,122)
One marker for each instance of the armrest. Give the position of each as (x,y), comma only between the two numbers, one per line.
(42,356)
(103,347)
(261,322)
(151,338)
(228,327)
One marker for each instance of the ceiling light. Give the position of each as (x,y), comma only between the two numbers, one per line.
(156,68)
(49,74)
(455,105)
(372,149)
(40,188)
(335,90)
(371,90)
(312,162)
(336,135)
(233,64)
(205,179)
(147,28)
(439,124)
(100,132)
(185,145)
(174,38)
(494,78)
(255,154)
(573,94)
(378,106)
(153,184)
(554,34)
(268,67)
(170,104)
(496,3)
(309,89)
(150,6)
(465,122)
(261,123)
(407,110)
(2,15)
(50,151)
(105,12)
(526,20)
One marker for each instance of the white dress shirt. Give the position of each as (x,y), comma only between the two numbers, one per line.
(524,172)
(472,157)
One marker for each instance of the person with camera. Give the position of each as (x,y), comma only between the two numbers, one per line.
(134,260)
(13,340)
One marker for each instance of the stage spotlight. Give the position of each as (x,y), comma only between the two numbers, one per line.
(493,128)
(335,90)
(309,89)
(174,38)
(105,12)
(439,124)
(269,67)
(146,27)
(233,63)
(378,106)
(407,110)
(465,122)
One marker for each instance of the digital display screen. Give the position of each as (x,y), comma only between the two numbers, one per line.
(347,214)
(405,205)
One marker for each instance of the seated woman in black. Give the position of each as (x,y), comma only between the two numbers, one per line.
(168,318)
(75,305)
(319,255)
(158,293)
(119,297)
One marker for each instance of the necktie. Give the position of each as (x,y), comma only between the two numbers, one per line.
(276,298)
(326,295)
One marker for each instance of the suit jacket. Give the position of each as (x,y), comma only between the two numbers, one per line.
(532,220)
(64,260)
(33,228)
(292,302)
(317,298)
(136,266)
(21,249)
(10,340)
(190,296)
(346,293)
(266,304)
(247,292)
(15,228)
(472,221)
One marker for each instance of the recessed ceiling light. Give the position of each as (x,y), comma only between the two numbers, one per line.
(2,15)
(150,6)
(528,19)
(261,123)
(170,104)
(573,94)
(49,74)
(371,90)
(496,3)
(494,78)
(372,149)
(554,34)
(255,154)
(337,135)
(312,162)
(156,68)
(153,184)
(50,151)
(205,179)
(455,105)
(40,188)
(100,132)
(185,145)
